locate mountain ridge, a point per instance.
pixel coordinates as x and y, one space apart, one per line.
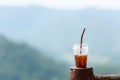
56 31
22 62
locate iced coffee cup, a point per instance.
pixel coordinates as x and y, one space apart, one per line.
81 57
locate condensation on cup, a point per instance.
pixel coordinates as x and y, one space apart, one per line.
80 59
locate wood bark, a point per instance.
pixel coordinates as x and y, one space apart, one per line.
87 74
108 77
81 73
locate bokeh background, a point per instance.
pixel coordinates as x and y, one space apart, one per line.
37 37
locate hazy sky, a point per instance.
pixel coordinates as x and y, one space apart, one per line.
64 4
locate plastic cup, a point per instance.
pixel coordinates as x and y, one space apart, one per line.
80 59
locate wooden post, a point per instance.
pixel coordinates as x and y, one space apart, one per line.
81 73
108 77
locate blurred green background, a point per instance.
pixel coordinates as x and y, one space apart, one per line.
37 37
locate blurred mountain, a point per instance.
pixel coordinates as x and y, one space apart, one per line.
56 31
21 62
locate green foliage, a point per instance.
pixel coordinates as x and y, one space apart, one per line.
21 62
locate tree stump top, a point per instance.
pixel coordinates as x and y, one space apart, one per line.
76 68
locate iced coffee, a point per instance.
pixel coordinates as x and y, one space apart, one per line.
81 58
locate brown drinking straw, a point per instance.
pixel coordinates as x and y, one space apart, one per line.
81 40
